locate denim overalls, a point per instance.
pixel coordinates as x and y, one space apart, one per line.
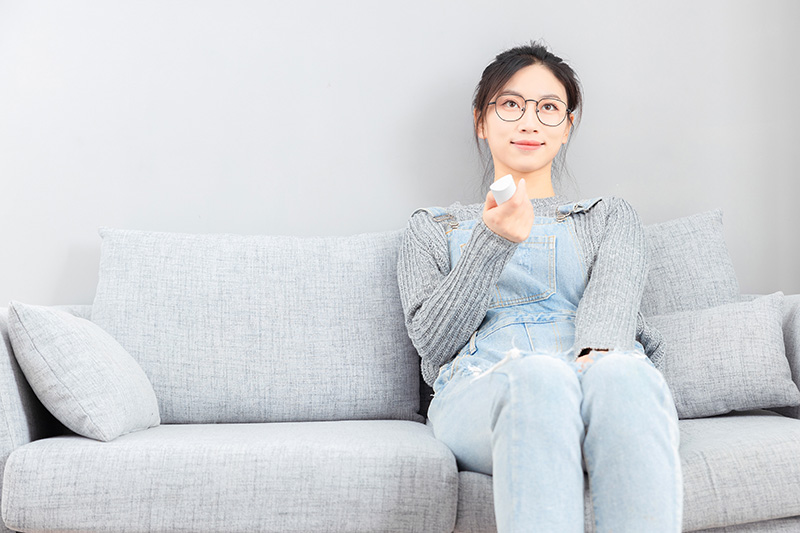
514 403
534 302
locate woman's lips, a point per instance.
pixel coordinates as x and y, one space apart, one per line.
527 145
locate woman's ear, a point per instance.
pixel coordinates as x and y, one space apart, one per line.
478 127
570 121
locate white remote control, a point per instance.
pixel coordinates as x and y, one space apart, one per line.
503 189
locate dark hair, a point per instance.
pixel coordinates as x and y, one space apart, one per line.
505 65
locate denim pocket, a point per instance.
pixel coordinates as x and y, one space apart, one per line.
448 370
530 274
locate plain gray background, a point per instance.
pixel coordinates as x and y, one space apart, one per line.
321 118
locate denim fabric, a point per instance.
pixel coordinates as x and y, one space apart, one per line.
515 404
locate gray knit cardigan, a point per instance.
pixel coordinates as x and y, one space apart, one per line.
443 306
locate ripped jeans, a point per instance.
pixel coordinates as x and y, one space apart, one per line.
537 421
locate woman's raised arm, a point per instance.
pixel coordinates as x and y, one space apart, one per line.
443 307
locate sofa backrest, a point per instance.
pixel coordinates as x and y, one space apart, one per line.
234 328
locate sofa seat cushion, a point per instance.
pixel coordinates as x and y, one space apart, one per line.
779 525
379 475
738 468
476 504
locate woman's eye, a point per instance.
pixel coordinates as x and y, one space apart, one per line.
549 106
510 104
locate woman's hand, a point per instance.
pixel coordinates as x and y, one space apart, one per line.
513 218
584 359
587 359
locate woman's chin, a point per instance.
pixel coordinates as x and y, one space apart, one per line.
523 170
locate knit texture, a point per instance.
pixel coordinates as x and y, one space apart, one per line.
443 306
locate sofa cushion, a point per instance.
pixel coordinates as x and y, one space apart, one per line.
729 357
476 504
740 467
237 328
80 373
376 475
689 265
737 468
791 340
778 525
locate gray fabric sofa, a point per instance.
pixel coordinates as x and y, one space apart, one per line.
291 400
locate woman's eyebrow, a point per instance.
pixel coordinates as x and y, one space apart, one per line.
509 91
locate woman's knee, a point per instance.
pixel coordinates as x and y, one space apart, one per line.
630 373
622 383
540 376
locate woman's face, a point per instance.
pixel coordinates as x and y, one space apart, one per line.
505 138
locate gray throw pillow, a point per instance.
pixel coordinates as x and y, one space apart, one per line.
726 358
791 339
689 265
80 373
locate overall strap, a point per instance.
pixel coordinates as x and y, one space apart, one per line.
578 207
439 214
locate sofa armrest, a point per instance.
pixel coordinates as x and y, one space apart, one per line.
791 339
23 418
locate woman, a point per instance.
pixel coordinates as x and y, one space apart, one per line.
525 315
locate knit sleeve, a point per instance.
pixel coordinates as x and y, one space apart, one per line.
607 314
444 306
652 340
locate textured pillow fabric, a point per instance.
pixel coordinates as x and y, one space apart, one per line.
246 328
726 358
791 339
80 373
690 267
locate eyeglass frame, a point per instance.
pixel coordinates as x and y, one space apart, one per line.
536 107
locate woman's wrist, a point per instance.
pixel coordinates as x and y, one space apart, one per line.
587 351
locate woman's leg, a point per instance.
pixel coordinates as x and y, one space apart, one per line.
521 423
631 445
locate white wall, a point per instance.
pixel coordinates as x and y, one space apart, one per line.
255 117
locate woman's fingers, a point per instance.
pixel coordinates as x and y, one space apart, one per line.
585 360
490 201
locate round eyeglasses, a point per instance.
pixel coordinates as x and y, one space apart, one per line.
549 111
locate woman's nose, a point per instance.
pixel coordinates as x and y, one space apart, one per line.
529 120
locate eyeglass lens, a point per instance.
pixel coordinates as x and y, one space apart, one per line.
551 112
